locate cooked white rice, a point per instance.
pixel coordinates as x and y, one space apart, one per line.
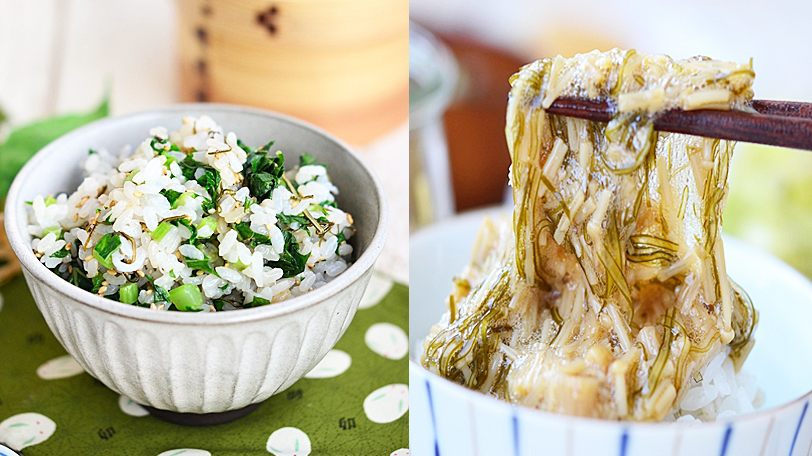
132 194
719 394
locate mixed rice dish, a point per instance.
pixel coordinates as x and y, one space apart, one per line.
195 220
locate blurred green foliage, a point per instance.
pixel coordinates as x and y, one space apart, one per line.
770 202
23 142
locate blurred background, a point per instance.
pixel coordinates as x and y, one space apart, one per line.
340 64
459 156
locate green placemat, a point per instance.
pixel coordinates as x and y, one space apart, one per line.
329 412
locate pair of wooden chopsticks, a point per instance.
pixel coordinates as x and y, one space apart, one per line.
777 123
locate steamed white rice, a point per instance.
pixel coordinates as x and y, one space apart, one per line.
719 393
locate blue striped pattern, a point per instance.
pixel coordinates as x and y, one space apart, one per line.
515 434
433 420
624 442
726 439
798 428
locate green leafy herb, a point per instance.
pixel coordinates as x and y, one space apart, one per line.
253 238
290 261
192 228
258 301
341 239
25 141
207 205
171 195
290 219
210 180
104 249
218 304
306 159
96 282
202 265
161 295
61 253
263 174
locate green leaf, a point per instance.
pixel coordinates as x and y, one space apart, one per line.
290 261
161 295
97 282
290 219
306 159
263 174
171 195
258 301
27 140
245 234
210 180
61 253
202 265
107 245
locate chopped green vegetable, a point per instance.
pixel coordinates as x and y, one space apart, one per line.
190 226
258 301
161 295
171 196
290 261
263 174
245 234
50 200
104 249
340 239
202 265
161 231
210 180
96 282
128 293
184 197
186 297
208 206
306 159
52 229
61 253
291 219
210 222
218 304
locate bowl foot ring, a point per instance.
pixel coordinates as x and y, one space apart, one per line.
201 419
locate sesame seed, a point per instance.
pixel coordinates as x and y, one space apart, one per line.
67 247
212 308
138 194
70 268
88 258
153 306
149 292
102 290
75 217
104 282
200 273
140 273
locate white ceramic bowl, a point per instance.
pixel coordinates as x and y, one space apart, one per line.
448 419
200 363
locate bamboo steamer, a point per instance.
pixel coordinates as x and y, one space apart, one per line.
340 64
